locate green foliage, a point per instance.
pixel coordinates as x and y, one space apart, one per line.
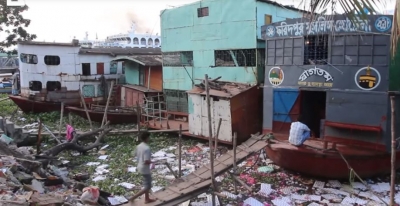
7 107
13 24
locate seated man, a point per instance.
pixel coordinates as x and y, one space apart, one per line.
299 132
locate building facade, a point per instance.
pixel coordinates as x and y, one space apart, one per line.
333 72
59 71
218 38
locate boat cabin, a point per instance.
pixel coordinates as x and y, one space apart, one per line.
62 72
333 72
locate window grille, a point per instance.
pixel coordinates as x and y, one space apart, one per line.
202 12
316 49
177 100
184 58
232 58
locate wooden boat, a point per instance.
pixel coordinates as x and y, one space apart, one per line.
115 114
32 106
322 159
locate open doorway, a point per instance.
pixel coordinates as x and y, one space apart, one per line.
312 108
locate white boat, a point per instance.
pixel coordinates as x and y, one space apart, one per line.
128 40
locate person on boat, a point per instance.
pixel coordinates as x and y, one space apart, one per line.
299 132
143 155
14 79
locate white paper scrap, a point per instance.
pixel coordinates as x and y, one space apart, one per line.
92 163
117 200
319 184
103 157
131 169
127 185
105 146
282 201
99 178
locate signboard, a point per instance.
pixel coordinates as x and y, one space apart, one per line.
328 24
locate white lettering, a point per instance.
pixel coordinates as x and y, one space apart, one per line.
316 71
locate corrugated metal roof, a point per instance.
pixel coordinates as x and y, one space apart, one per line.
47 43
121 51
227 89
145 60
140 88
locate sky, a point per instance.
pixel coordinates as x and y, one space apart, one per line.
62 20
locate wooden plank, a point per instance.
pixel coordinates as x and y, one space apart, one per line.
202 178
113 132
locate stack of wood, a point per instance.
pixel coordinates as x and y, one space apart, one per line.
212 83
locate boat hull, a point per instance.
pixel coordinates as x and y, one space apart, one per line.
114 118
32 106
330 164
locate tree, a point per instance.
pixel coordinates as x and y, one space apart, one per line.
361 7
13 24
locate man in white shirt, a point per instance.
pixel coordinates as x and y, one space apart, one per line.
14 79
299 132
143 155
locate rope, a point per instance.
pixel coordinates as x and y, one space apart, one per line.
353 174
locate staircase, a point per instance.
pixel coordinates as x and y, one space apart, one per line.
113 95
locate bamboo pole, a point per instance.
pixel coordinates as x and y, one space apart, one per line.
69 118
234 159
86 111
210 138
108 102
138 113
39 140
180 151
216 137
393 159
61 119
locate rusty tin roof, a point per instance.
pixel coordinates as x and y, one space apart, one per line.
226 89
145 60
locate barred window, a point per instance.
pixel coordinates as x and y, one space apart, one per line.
235 58
28 58
177 100
51 60
202 12
316 49
184 58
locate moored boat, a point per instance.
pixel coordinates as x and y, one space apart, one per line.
33 106
319 159
116 115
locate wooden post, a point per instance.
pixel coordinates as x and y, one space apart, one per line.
39 140
210 138
180 151
216 137
69 118
393 175
138 113
148 79
61 119
234 159
108 102
86 111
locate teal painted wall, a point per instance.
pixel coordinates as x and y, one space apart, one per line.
131 73
278 13
231 24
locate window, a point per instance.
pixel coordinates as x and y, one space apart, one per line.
184 58
51 60
123 67
143 41
100 68
135 41
235 58
287 51
268 19
157 42
141 75
113 67
202 12
86 69
35 85
316 49
28 58
53 86
177 100
150 42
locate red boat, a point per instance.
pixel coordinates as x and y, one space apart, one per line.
116 115
32 106
322 159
